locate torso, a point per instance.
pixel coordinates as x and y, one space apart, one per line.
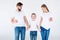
33 25
19 16
46 23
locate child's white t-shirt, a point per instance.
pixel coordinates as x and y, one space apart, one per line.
46 23
33 25
19 16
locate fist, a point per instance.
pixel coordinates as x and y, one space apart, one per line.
14 20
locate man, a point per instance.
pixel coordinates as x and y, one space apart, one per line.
20 20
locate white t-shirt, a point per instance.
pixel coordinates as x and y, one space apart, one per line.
46 23
19 16
33 25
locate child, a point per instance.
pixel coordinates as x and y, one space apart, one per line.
33 27
19 20
46 19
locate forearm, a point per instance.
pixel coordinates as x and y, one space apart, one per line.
26 21
40 23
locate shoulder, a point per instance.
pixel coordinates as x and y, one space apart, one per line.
23 13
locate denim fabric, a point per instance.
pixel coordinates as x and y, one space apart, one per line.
20 31
33 35
45 33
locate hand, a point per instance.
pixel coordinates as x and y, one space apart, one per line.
38 29
14 20
51 19
28 27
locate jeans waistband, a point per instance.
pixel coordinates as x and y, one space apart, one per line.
42 28
20 27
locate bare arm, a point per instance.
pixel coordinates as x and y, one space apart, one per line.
40 22
26 21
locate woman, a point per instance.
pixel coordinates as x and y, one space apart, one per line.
46 19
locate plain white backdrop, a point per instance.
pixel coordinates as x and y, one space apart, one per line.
7 8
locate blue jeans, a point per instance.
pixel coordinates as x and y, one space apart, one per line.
33 35
20 30
44 33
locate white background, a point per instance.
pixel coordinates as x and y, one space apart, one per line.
7 7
